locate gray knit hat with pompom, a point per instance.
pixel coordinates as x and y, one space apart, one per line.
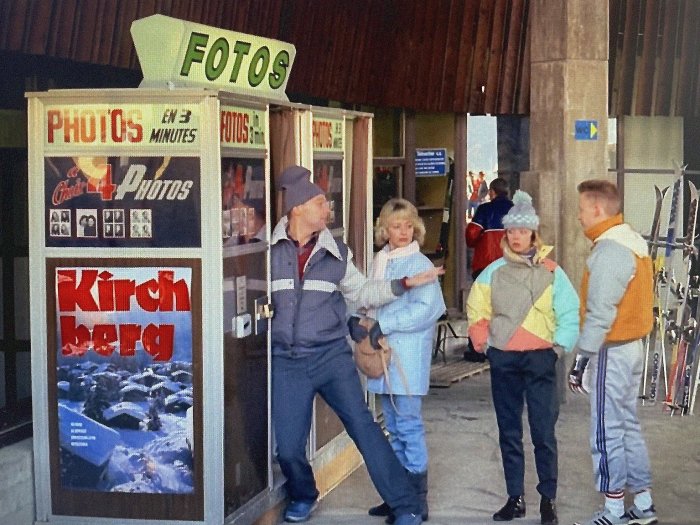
522 214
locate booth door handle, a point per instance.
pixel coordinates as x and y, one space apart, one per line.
265 311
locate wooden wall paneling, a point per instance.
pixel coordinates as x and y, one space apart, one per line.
511 53
108 25
122 37
452 45
301 35
145 8
334 70
342 81
438 52
381 44
629 57
415 86
688 61
523 93
37 27
5 10
614 10
405 43
88 28
495 57
466 55
61 32
480 63
645 73
667 57
16 25
180 9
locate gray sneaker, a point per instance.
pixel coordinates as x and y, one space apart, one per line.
638 516
605 517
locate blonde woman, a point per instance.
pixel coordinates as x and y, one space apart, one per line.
523 314
409 326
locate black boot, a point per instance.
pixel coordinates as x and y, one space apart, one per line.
548 511
380 510
419 481
514 508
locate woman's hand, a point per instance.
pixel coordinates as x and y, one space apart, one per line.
425 277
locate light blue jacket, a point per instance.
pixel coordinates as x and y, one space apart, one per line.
409 324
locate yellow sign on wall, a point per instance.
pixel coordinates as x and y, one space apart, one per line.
174 52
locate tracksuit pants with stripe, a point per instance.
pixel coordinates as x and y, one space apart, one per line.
620 457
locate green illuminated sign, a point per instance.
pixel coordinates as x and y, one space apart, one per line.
179 53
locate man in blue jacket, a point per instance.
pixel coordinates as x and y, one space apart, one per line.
312 276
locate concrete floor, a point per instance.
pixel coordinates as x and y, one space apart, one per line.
466 479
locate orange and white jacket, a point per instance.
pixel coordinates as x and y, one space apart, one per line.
616 288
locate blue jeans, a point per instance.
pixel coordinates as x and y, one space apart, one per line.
620 457
517 377
406 431
331 373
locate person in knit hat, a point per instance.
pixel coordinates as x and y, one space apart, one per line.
523 314
312 276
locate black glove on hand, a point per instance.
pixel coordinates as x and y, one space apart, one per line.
576 374
375 333
357 331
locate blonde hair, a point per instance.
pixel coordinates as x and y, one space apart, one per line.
603 193
398 209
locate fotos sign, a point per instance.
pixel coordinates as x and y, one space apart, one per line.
179 53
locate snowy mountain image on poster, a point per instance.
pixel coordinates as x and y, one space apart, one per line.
124 379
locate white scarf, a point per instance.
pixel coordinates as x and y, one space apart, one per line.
381 259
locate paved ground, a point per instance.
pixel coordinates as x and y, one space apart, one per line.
466 480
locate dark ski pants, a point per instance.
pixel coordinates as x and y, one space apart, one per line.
517 377
332 374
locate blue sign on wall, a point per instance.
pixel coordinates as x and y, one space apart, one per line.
586 130
430 162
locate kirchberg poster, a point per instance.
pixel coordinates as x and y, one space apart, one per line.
129 193
123 176
124 378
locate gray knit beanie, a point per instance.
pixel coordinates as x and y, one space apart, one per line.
297 187
522 214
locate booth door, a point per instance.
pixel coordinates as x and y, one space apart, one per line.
245 278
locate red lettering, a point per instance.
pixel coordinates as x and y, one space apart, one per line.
73 295
158 341
54 122
234 127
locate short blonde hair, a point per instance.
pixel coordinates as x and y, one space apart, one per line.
398 209
601 192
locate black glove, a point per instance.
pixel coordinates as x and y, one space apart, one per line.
375 333
576 374
357 331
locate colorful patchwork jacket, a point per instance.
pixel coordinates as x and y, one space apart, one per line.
521 304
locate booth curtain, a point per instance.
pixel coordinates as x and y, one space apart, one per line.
283 152
358 229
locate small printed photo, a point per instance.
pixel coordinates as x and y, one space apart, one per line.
119 216
55 229
55 216
65 215
108 216
146 230
119 230
87 222
145 215
65 229
135 230
109 230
